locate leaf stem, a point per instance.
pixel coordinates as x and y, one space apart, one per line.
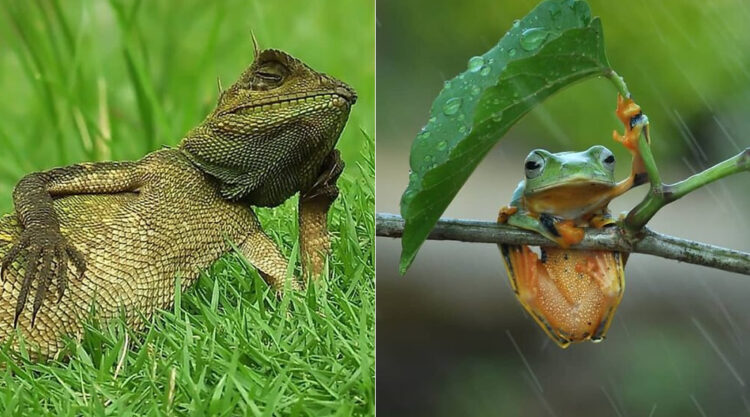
644 150
618 82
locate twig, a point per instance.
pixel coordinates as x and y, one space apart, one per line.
662 194
648 242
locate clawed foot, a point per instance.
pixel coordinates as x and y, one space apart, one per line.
42 247
325 186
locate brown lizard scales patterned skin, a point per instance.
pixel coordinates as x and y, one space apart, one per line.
114 235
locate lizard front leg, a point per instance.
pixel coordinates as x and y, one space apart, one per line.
315 242
263 253
41 241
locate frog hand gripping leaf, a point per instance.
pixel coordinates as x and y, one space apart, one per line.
572 294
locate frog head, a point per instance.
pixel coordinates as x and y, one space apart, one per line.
545 170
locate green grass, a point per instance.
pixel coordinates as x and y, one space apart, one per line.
92 80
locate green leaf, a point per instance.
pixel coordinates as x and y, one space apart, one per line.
555 45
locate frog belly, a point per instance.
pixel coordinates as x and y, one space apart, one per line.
572 294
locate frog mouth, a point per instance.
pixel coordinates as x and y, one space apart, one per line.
579 184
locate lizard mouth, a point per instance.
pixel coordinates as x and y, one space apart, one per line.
340 98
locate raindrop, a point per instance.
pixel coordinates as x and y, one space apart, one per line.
580 8
424 135
408 196
554 10
476 63
516 23
512 52
485 70
463 130
475 90
452 106
432 119
497 116
532 38
442 145
428 158
447 84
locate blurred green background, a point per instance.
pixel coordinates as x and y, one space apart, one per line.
92 80
452 338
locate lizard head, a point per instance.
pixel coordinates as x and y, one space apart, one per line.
277 81
271 130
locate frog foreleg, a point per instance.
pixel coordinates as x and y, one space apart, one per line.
544 225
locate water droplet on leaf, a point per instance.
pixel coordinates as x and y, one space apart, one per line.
475 90
512 52
581 9
452 106
442 145
408 196
554 10
475 63
485 70
532 38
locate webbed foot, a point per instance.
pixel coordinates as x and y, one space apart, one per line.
635 123
630 115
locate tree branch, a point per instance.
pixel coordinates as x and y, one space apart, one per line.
649 242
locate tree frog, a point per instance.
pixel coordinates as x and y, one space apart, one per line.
572 294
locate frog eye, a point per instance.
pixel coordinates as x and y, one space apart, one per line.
608 159
534 165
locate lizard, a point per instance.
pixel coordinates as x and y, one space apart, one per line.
110 237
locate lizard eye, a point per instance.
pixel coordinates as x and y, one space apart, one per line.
268 75
534 165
